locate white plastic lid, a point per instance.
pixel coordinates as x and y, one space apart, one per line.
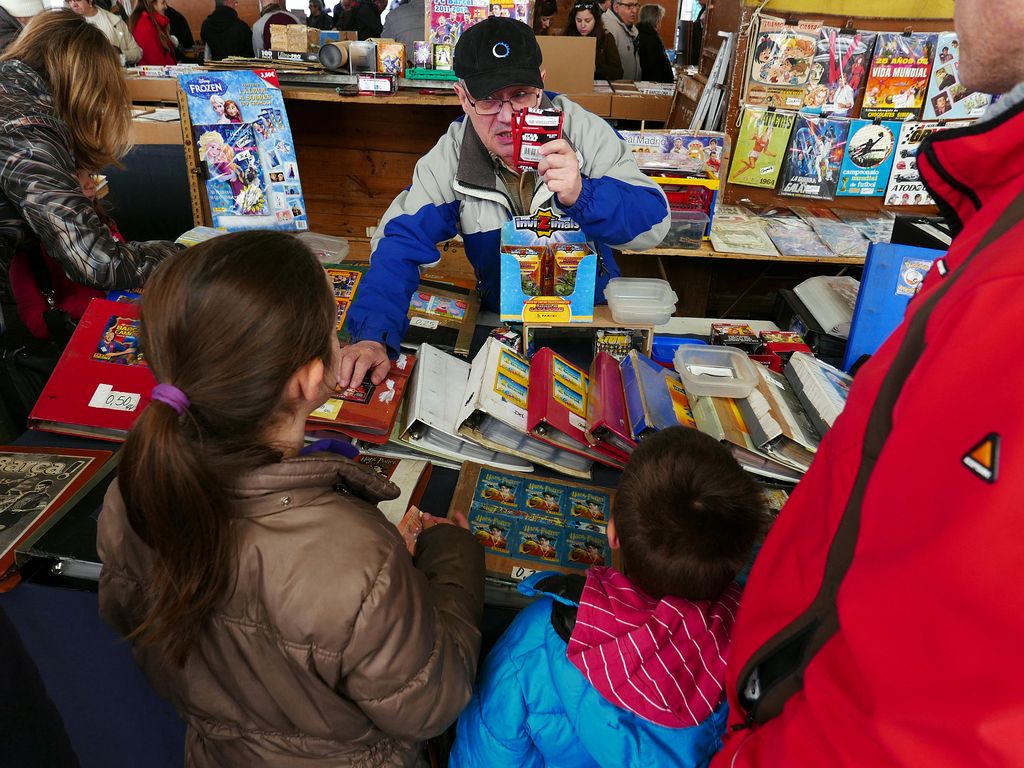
714 370
648 291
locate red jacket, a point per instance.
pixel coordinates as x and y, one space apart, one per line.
146 36
909 658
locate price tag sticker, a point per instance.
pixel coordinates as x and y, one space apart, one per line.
519 573
106 397
423 322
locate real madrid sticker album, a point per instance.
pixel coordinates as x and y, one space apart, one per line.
245 150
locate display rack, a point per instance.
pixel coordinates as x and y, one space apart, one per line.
892 16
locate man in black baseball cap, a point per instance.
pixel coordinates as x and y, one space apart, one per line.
498 53
468 185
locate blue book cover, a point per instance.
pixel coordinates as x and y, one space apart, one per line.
868 158
892 276
244 143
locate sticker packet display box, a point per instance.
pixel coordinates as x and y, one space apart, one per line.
532 129
527 524
548 270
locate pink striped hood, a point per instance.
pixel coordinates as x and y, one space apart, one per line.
663 660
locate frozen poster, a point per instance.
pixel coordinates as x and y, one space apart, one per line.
245 150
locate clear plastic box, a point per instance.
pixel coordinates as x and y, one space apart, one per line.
640 300
687 230
715 371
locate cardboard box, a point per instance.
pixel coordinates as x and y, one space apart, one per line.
598 103
151 132
540 334
640 107
279 38
153 89
563 63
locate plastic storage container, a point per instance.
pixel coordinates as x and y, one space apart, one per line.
663 349
640 300
687 230
716 371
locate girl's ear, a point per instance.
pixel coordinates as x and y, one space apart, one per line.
307 383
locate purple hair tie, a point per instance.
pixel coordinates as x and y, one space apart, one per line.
172 396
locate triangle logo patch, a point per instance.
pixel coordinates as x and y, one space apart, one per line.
983 458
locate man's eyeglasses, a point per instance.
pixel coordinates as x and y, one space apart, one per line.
521 100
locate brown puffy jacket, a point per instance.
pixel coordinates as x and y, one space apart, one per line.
334 648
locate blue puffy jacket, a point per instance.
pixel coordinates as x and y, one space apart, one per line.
456 190
534 708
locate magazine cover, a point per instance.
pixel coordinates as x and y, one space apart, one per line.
35 484
760 147
948 98
779 67
448 19
905 186
510 9
868 159
813 158
839 71
899 76
245 149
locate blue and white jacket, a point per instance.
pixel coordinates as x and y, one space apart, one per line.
456 189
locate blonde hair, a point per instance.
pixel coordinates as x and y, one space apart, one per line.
85 80
212 138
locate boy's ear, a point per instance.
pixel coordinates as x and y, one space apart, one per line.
613 535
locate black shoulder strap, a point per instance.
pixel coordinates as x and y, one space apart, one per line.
775 672
563 617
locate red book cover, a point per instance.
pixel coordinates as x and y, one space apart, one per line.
556 409
606 407
101 382
370 409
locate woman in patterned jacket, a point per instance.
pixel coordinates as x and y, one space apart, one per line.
64 105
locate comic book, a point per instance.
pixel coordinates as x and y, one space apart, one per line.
760 147
841 238
101 383
839 71
779 66
899 76
245 148
792 235
868 159
526 524
812 161
875 226
905 185
948 98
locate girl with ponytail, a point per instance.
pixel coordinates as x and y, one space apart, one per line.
263 592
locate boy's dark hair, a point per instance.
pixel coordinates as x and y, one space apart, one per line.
687 515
